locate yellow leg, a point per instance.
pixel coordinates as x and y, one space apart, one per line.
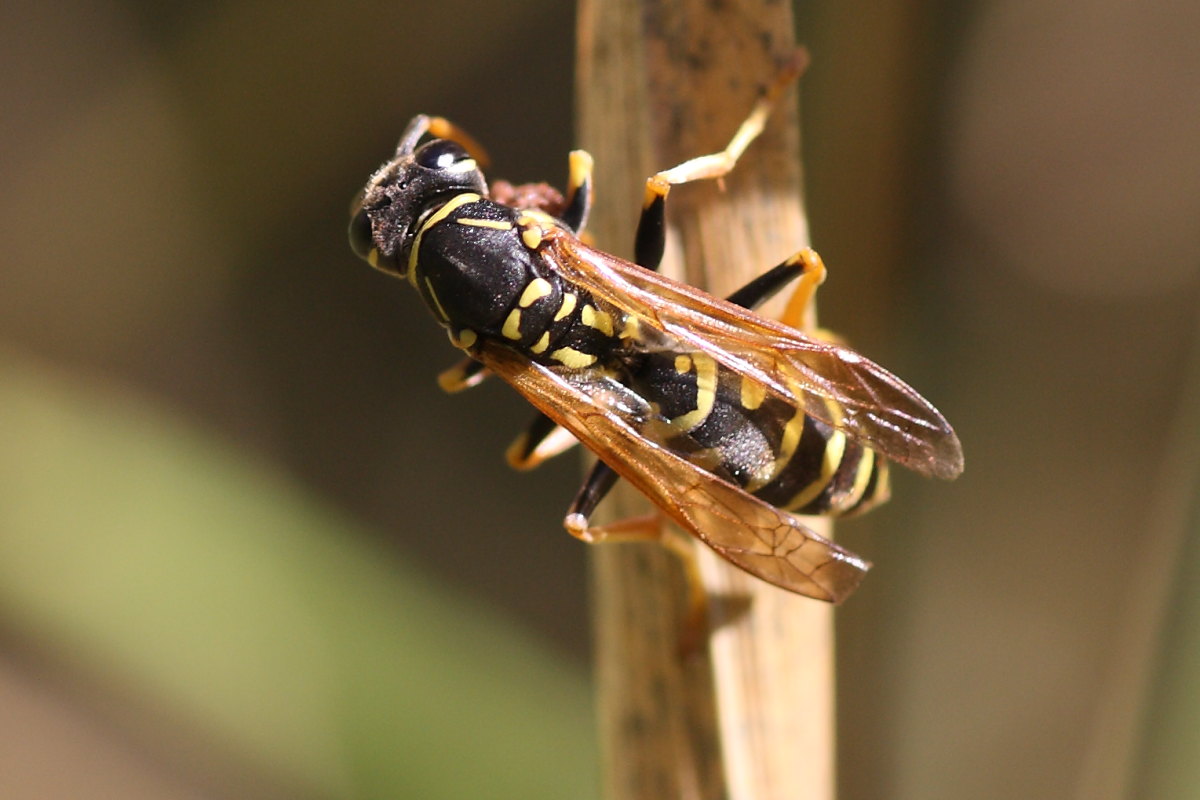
538 443
579 191
463 375
797 314
717 165
650 241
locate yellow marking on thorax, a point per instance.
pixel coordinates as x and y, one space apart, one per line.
535 216
437 304
568 305
631 328
512 325
541 344
462 339
495 224
531 229
575 359
683 363
753 394
532 237
600 320
536 290
438 216
706 392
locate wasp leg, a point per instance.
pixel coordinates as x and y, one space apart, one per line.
541 440
646 528
767 285
812 275
463 375
718 165
599 482
579 190
650 239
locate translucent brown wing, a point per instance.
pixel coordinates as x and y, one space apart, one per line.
829 382
609 420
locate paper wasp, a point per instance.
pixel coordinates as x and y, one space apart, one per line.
729 422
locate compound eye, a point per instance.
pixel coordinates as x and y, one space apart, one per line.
443 154
360 233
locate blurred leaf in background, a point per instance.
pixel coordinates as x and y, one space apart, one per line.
147 558
218 499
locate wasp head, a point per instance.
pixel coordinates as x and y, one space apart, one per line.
403 192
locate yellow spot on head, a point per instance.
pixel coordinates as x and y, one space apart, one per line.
512 325
536 290
575 359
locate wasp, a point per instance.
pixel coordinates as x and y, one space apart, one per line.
731 423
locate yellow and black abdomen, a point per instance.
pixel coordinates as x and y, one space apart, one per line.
760 443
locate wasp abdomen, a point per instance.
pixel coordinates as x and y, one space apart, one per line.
764 445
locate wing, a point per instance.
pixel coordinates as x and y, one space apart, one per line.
753 535
829 382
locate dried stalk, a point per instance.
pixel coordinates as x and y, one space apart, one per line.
660 81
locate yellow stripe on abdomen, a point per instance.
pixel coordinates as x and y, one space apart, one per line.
706 390
831 459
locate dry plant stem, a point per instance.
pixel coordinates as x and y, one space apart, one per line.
751 716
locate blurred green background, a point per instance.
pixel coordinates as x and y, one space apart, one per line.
248 550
